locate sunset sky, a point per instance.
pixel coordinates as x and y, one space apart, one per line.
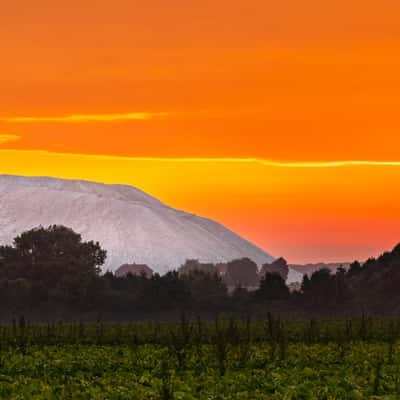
280 119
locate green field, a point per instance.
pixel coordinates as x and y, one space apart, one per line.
227 359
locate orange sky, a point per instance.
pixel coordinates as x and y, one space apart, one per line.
179 95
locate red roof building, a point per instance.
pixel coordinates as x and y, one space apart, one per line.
134 269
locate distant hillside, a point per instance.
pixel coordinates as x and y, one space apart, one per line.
131 225
309 269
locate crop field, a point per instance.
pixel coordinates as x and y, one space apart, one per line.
225 359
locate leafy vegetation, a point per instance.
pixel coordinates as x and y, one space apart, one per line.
224 359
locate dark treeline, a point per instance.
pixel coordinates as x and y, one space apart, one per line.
52 274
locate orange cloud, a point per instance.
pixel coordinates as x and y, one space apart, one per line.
78 118
5 138
217 160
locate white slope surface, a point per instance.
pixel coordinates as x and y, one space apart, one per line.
294 276
132 226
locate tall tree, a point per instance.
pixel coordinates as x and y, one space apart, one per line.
50 254
272 287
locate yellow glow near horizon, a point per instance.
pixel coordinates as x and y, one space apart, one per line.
77 118
280 209
217 160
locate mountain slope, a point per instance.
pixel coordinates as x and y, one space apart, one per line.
131 225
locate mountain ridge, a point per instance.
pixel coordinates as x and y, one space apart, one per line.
130 224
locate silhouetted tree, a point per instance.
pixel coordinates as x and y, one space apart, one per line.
206 289
341 289
272 287
49 254
305 284
278 266
369 263
320 289
355 267
52 269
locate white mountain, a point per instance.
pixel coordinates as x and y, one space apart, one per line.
294 276
131 225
